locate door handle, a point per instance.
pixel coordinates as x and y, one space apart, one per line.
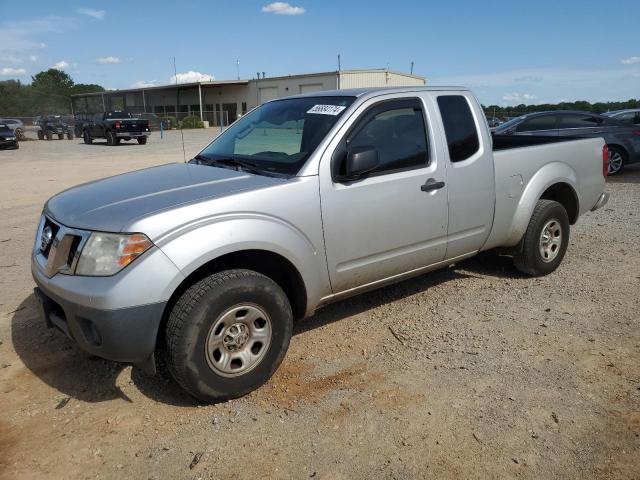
431 185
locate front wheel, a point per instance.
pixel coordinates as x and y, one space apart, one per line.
142 140
87 138
69 135
61 136
545 242
40 135
49 135
227 334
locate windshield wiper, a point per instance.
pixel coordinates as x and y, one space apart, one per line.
231 162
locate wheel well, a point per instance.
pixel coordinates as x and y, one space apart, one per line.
625 154
564 194
270 264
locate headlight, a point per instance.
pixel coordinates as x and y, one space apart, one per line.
11 138
107 253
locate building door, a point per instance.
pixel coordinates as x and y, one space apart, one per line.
311 87
268 93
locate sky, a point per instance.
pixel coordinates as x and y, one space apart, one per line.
507 52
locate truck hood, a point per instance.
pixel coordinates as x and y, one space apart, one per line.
112 203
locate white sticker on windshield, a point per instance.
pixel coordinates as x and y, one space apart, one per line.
326 109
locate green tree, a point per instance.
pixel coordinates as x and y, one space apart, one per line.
52 80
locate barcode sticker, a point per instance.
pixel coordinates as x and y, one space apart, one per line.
326 109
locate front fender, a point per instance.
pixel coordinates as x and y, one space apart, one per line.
194 245
551 174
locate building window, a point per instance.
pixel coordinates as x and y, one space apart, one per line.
244 108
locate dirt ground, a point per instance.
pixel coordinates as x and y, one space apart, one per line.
470 372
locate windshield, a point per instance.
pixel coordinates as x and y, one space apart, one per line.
509 124
278 136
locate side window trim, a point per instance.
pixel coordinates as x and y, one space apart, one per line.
364 118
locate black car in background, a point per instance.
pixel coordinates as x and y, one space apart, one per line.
623 140
154 121
8 137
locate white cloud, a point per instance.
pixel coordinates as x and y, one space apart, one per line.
516 97
108 60
630 61
191 77
12 72
10 59
98 14
61 65
282 8
33 58
145 84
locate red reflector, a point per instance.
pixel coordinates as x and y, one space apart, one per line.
117 124
605 160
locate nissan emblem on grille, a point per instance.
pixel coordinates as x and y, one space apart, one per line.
47 236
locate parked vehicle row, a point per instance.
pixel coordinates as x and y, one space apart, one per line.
204 265
622 139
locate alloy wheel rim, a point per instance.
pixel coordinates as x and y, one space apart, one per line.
615 162
550 240
238 340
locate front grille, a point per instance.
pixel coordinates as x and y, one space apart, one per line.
60 254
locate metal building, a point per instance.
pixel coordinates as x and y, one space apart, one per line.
220 102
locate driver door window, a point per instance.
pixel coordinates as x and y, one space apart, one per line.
398 134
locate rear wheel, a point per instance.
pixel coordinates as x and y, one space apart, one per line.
617 158
142 140
545 242
87 138
69 135
227 334
61 136
111 138
40 135
49 135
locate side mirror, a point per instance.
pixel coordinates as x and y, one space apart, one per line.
361 160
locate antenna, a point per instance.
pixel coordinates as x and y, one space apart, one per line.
339 63
238 68
175 75
411 67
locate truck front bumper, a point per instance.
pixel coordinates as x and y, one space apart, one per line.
123 335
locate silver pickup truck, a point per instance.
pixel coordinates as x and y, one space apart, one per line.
200 268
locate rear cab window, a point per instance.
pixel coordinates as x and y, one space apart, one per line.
459 127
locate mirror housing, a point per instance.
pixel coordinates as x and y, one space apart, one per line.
361 160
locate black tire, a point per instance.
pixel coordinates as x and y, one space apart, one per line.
87 138
111 138
194 316
142 140
528 258
622 155
40 135
61 136
69 135
17 146
49 135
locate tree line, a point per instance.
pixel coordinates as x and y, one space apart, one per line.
48 93
598 107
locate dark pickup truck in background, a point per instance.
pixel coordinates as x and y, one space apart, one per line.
115 126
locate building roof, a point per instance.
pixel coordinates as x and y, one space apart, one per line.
359 92
220 83
213 83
